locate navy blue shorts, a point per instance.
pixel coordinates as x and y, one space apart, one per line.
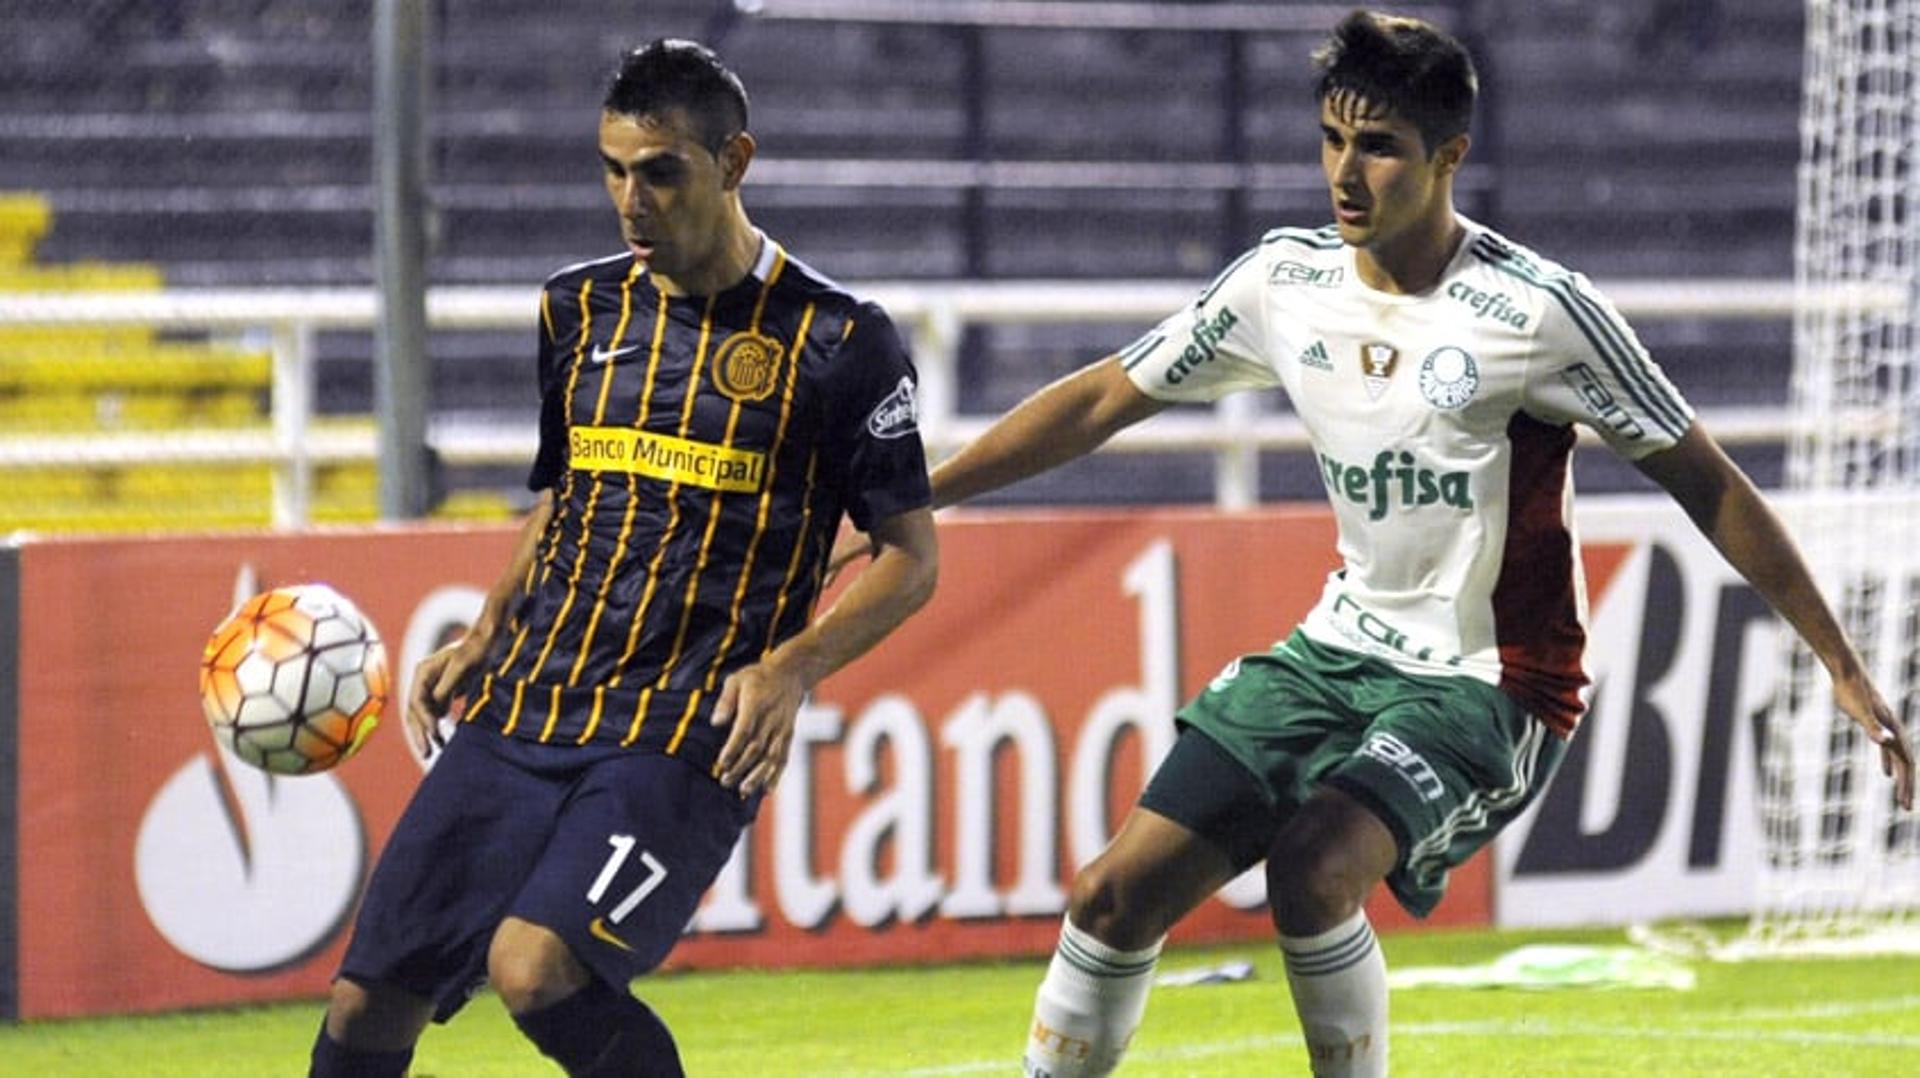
608 848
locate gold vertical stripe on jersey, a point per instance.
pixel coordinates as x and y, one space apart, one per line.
766 498
580 348
633 499
513 715
766 287
553 714
673 510
803 531
700 561
639 717
560 508
793 562
714 512
593 716
686 716
479 702
719 497
599 484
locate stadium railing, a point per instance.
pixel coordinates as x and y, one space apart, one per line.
1235 430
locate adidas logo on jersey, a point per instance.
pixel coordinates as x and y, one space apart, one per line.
1315 356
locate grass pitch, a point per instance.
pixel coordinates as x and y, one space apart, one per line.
1779 1018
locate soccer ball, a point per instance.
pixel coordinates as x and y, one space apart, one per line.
295 680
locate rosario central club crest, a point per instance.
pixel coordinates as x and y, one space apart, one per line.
1377 363
747 366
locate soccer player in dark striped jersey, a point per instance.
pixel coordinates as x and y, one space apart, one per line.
1440 370
710 408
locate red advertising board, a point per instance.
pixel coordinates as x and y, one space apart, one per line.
939 795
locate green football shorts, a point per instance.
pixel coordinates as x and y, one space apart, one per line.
1444 762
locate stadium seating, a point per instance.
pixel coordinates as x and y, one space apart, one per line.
77 381
250 124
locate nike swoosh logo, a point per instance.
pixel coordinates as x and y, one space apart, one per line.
601 355
598 929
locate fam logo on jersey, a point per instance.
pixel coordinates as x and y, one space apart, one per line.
747 365
1448 377
1291 272
1373 633
898 415
1599 401
1377 363
1412 767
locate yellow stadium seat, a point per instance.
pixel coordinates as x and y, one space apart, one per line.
29 338
476 505
83 379
24 218
81 277
65 411
159 366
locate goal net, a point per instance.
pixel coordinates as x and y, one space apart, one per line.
1839 866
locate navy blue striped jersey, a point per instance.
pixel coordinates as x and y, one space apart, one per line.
702 450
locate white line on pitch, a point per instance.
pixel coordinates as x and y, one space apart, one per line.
1815 1010
1530 1029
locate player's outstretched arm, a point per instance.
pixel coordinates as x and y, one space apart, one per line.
760 701
444 674
1061 422
1723 503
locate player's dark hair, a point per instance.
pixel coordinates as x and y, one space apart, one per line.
1375 63
669 74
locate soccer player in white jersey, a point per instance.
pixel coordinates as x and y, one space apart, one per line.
1440 370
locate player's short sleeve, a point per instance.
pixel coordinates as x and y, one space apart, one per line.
873 421
550 459
1212 346
1593 370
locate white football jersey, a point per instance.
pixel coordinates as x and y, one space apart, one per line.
1442 427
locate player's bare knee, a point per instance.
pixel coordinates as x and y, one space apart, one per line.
532 970
1090 899
523 982
347 999
1312 884
374 1016
1101 904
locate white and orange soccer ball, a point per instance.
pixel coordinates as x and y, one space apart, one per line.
295 680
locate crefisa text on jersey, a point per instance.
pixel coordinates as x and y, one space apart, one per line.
1495 305
1207 335
1395 472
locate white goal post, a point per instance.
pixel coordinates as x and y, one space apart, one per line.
1840 865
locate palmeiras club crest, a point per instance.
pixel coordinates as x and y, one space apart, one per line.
1449 377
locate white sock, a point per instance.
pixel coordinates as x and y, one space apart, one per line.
1339 981
1088 1006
